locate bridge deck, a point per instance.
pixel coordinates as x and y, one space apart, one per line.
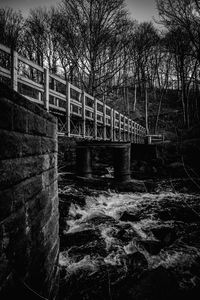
79 114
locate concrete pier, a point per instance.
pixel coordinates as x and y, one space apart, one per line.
121 158
83 161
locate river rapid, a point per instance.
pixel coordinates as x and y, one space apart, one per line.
129 245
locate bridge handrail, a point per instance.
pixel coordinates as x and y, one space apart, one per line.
155 138
49 90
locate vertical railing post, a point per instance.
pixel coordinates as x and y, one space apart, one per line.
129 138
95 118
104 122
14 69
136 133
114 122
138 130
120 133
111 124
132 131
139 134
124 137
83 115
68 110
46 89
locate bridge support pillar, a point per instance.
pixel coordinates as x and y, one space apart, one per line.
83 161
122 158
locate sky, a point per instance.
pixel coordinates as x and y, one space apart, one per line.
141 10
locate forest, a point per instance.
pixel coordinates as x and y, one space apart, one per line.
140 67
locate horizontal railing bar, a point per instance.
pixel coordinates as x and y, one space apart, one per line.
57 107
34 100
5 72
57 94
76 103
31 83
75 88
5 49
89 96
56 77
88 108
30 63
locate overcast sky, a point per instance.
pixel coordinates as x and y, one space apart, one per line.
141 10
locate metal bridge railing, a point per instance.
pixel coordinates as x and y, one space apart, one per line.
79 114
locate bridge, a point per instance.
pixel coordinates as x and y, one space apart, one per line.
79 114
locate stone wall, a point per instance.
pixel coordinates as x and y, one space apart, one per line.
29 242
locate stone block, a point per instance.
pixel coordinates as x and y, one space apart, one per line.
5 269
20 119
6 114
14 224
6 200
39 215
52 257
15 144
51 129
50 231
36 125
15 170
43 199
27 190
10 145
49 177
31 145
20 100
53 189
48 145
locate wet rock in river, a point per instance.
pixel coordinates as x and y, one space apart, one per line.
157 284
97 218
165 234
87 280
94 249
131 186
125 235
151 246
136 263
192 238
130 216
79 237
178 213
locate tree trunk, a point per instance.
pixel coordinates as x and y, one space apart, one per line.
146 109
135 98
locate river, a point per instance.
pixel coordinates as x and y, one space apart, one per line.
129 245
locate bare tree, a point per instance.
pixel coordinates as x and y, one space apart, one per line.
181 18
183 14
40 39
11 24
96 34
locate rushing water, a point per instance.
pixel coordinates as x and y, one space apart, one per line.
163 229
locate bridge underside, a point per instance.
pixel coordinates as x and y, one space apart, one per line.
121 152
